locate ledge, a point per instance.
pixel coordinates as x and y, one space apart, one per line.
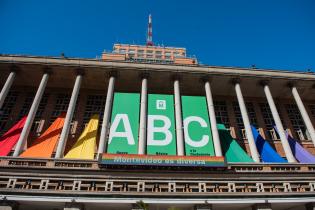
68 164
211 70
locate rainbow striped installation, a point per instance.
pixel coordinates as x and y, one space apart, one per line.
44 146
11 137
156 160
85 146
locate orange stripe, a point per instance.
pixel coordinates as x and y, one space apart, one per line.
44 145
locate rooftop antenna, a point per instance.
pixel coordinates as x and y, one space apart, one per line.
149 35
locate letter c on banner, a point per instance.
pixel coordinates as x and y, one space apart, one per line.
204 140
164 129
126 134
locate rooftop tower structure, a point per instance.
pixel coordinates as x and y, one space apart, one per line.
149 35
149 53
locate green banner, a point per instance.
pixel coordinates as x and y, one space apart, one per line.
197 130
123 134
161 138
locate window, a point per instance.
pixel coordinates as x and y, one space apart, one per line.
269 121
95 104
312 109
167 53
42 106
122 50
238 115
221 113
149 54
267 115
297 121
26 105
251 113
61 105
116 50
131 52
38 123
6 110
140 53
176 54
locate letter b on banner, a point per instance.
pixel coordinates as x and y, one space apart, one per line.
161 139
165 129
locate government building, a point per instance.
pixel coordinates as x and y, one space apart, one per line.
148 127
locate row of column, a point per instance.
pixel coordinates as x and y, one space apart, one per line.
143 115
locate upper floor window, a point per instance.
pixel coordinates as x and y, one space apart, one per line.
312 109
269 121
122 50
177 54
61 105
297 121
131 51
167 53
94 105
221 113
26 105
238 116
6 109
250 111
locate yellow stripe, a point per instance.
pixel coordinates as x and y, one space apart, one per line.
85 146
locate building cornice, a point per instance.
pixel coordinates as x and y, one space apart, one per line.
209 70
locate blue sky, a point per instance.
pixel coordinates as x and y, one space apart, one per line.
276 34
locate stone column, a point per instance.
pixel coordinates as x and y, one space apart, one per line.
7 85
262 206
276 117
107 113
31 114
303 112
213 121
178 119
247 126
65 130
143 115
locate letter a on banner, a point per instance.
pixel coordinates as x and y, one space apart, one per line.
197 130
161 139
123 134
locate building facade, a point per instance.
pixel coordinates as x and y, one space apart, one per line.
265 133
